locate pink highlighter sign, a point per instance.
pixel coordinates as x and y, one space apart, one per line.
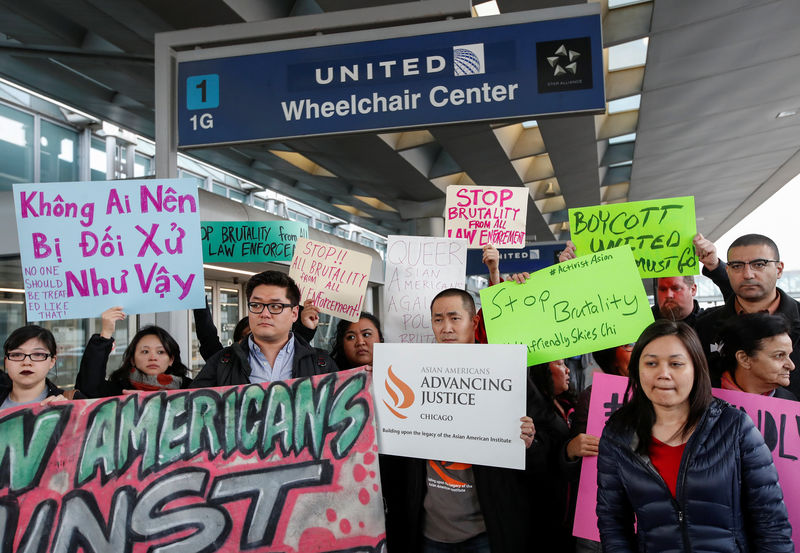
487 215
87 246
777 419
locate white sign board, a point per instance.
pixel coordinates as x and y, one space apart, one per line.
455 402
418 268
487 215
335 278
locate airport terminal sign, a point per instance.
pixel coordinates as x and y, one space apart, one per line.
487 69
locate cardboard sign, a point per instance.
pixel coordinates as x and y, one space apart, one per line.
659 232
487 215
418 268
335 278
455 402
585 304
249 242
289 466
87 246
775 418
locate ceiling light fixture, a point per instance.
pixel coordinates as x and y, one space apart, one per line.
787 113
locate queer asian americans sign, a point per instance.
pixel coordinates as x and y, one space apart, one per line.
86 246
659 232
487 215
418 268
286 467
455 402
585 304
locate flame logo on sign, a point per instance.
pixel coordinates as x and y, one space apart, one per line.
402 401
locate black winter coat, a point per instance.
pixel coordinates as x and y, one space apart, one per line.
52 389
728 496
231 366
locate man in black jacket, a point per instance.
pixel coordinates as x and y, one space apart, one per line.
753 268
271 352
444 506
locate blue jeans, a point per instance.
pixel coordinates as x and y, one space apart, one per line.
478 544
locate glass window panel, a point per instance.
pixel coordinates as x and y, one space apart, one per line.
97 159
58 153
237 196
16 146
142 166
229 314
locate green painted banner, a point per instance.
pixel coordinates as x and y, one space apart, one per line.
659 232
586 304
244 242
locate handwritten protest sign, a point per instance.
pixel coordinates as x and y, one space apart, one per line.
456 402
335 278
775 418
487 215
289 466
418 268
659 232
585 304
247 242
86 246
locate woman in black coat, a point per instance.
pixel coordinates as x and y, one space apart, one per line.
693 470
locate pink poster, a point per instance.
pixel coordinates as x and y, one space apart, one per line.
288 466
777 419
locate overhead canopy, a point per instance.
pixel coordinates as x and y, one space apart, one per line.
717 75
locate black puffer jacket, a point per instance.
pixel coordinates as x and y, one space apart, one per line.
728 497
231 366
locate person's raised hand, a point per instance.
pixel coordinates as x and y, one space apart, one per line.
567 253
706 252
583 445
110 317
527 431
309 317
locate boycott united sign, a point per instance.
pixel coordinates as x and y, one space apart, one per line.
659 232
290 467
454 402
487 215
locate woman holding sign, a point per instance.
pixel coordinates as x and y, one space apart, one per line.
152 361
692 469
755 352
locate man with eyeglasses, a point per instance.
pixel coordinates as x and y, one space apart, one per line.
753 268
272 351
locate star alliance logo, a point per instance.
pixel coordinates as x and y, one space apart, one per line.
468 60
564 65
567 58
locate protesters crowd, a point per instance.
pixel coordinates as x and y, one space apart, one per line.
678 470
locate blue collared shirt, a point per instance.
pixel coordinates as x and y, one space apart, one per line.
262 371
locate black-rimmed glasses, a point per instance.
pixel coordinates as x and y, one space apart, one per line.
755 264
36 356
274 308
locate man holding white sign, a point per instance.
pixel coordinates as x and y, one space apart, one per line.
445 506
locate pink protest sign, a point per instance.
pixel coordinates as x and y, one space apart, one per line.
487 215
777 419
290 467
335 278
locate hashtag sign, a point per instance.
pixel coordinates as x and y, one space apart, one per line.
612 405
552 272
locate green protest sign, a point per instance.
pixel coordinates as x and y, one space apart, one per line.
589 303
244 242
659 232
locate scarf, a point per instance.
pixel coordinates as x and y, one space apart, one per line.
153 382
